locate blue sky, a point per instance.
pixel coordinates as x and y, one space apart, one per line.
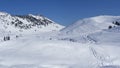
64 12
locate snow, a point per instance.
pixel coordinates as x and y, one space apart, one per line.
6 26
3 13
86 44
33 51
91 25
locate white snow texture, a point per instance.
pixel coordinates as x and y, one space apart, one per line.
89 43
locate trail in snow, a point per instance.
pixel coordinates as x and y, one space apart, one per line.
99 53
44 50
104 59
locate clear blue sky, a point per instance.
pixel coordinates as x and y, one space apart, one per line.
64 12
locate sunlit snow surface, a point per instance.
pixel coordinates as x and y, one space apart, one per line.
40 51
72 47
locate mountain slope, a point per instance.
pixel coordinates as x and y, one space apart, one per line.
86 30
91 25
27 23
60 50
111 36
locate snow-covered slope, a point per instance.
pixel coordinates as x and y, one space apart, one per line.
17 25
111 36
26 23
86 30
91 25
52 49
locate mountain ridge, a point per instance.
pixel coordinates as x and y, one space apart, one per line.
27 22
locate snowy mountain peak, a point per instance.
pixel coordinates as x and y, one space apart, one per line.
27 23
3 14
37 16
